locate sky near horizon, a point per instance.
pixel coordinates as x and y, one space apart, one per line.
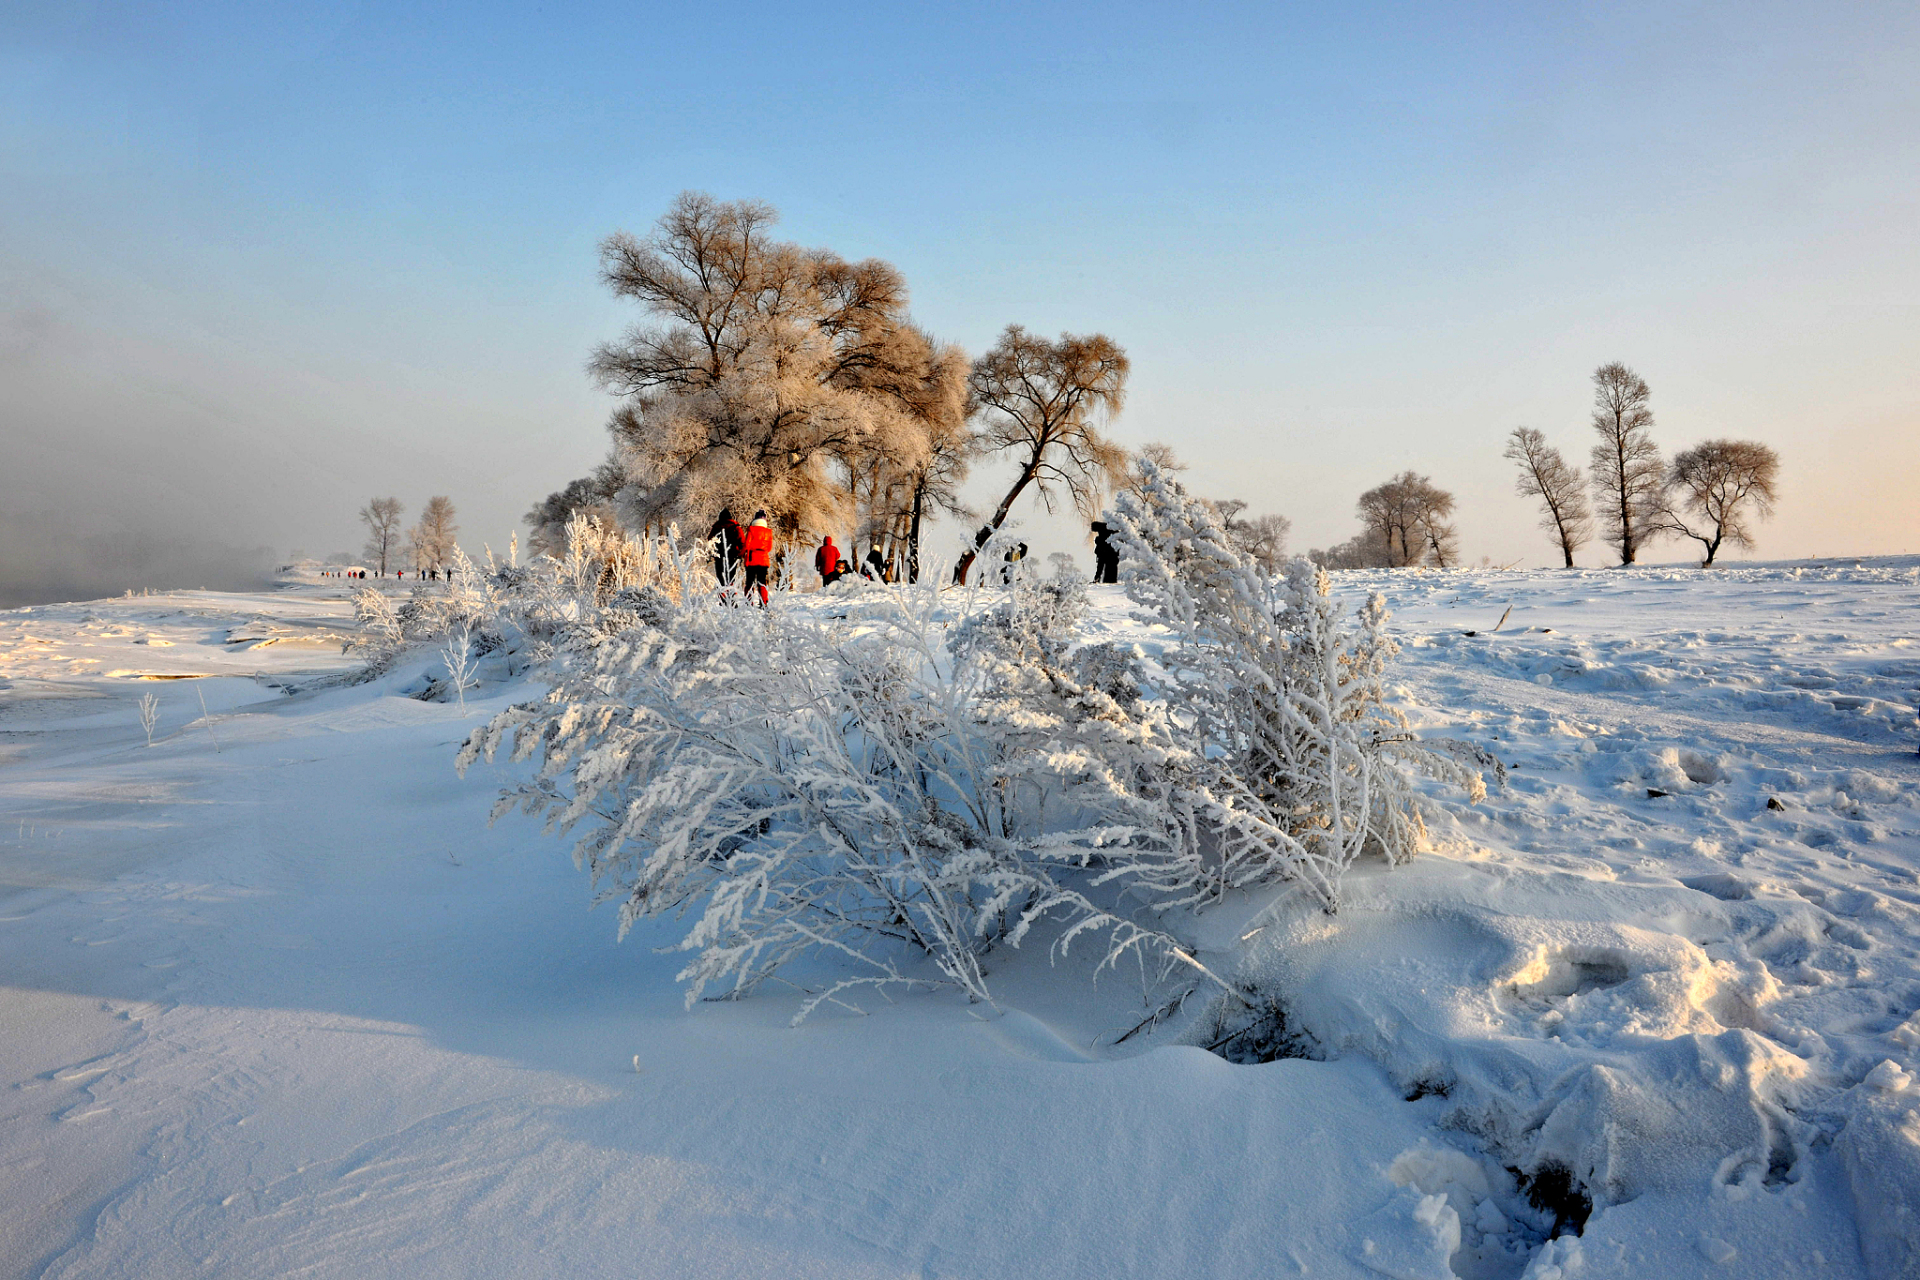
259 262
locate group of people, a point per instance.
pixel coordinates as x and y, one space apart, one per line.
734 549
832 566
423 574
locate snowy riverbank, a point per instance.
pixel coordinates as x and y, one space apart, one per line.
277 999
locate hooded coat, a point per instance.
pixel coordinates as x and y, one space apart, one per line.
759 544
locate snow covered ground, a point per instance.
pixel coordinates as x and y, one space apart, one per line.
274 999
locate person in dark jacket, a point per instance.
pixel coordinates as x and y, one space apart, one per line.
724 544
1106 556
875 565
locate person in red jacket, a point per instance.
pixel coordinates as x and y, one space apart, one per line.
759 554
827 561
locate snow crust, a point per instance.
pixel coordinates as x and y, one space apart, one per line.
275 999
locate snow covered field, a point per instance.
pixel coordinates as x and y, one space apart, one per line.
275 1000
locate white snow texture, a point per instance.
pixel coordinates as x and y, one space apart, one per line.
276 999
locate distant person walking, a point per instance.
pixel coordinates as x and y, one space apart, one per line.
758 547
875 566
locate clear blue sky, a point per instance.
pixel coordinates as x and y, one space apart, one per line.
260 262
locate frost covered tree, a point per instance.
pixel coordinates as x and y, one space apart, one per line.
382 518
913 464
433 537
1721 483
1629 477
1042 402
936 470
765 374
1406 522
1544 474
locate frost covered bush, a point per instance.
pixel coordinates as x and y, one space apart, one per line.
602 560
910 783
603 583
427 614
381 635
1298 763
798 785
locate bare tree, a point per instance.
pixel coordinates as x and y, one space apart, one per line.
1720 482
1439 540
1262 539
1364 550
591 495
1406 522
1629 476
382 518
1545 475
1382 511
1039 401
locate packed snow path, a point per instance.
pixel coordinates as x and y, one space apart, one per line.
277 1000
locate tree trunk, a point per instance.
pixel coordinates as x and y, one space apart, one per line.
1000 516
913 533
1620 492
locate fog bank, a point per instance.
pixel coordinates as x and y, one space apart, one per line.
48 561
